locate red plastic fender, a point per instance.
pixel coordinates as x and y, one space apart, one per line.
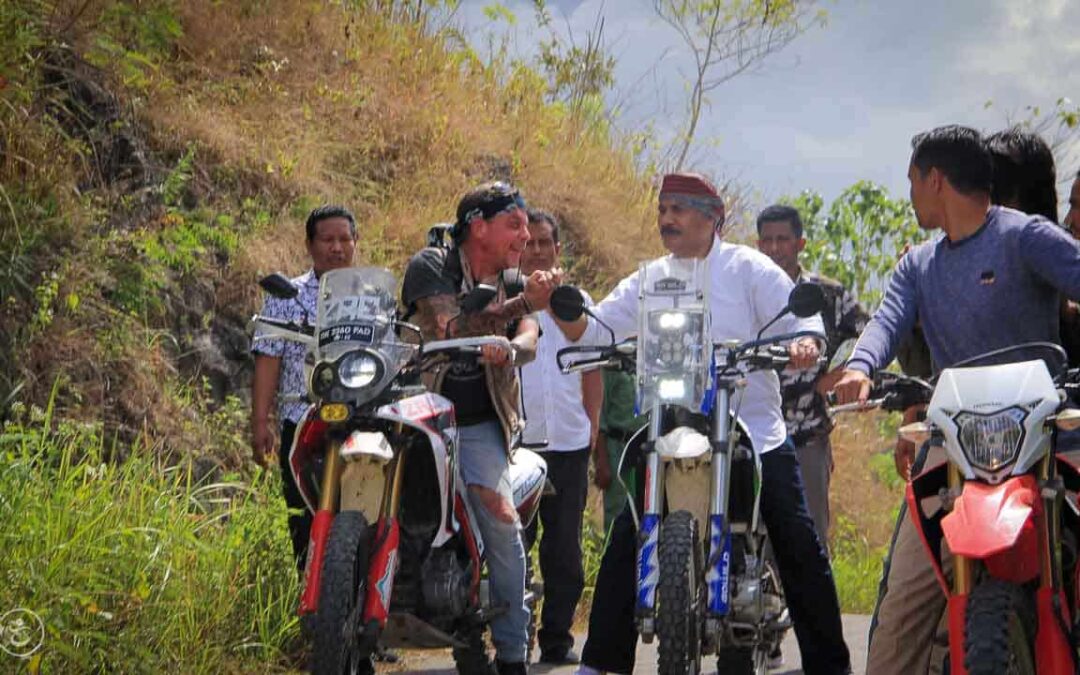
996 524
382 568
320 532
1053 656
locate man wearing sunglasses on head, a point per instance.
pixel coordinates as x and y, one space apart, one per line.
489 237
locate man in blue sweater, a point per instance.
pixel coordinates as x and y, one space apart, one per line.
994 279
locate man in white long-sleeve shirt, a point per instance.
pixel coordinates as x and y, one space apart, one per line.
562 418
747 290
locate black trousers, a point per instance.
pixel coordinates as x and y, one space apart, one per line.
804 573
560 547
299 516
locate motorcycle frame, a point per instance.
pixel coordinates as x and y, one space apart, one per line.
1017 554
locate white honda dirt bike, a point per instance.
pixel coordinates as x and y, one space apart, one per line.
705 583
395 555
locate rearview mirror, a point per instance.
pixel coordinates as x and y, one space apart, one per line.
567 303
478 298
279 286
806 300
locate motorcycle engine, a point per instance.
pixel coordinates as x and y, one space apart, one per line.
445 584
748 601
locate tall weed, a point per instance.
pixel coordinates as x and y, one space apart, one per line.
135 566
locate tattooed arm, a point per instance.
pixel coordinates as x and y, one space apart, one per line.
438 317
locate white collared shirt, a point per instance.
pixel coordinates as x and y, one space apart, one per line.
747 290
551 401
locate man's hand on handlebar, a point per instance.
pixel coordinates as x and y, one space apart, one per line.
497 355
853 387
804 353
538 288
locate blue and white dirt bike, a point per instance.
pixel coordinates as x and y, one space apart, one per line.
705 580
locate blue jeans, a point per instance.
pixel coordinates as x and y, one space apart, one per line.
483 461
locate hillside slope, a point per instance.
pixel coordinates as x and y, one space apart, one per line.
159 156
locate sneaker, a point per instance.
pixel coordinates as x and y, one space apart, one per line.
775 659
565 657
384 655
504 668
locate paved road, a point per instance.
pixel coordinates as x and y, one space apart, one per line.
440 662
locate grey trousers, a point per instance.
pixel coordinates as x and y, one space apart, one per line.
909 634
815 460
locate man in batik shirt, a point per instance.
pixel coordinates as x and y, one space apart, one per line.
780 236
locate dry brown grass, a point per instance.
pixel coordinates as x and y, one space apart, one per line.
860 492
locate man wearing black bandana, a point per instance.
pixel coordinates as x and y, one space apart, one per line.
488 238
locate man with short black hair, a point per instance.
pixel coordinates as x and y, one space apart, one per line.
489 237
279 365
993 280
561 420
780 236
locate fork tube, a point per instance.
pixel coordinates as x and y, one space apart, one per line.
393 496
719 550
1050 534
961 564
331 478
648 562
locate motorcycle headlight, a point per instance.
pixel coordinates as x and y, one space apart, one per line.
668 331
991 441
359 370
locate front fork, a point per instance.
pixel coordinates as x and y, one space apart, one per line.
718 565
320 528
718 562
648 563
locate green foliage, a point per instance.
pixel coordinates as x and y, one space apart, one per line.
858 240
856 567
139 567
135 38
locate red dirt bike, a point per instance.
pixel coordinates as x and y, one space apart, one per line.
1004 502
395 555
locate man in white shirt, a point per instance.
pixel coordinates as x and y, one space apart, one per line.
561 422
747 290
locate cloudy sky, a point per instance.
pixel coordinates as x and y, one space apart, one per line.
841 102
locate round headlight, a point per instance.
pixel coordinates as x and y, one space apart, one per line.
358 370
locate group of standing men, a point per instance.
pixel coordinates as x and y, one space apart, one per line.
520 395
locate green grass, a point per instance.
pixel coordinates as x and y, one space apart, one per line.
856 567
138 567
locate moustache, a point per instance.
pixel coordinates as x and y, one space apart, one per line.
669 229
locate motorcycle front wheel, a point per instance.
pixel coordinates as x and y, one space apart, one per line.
678 617
344 573
1000 630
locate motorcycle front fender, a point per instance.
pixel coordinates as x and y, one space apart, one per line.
997 524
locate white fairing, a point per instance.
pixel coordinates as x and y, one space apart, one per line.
985 390
528 474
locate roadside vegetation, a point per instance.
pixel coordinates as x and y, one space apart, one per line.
156 157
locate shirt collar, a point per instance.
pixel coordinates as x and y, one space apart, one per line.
308 278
